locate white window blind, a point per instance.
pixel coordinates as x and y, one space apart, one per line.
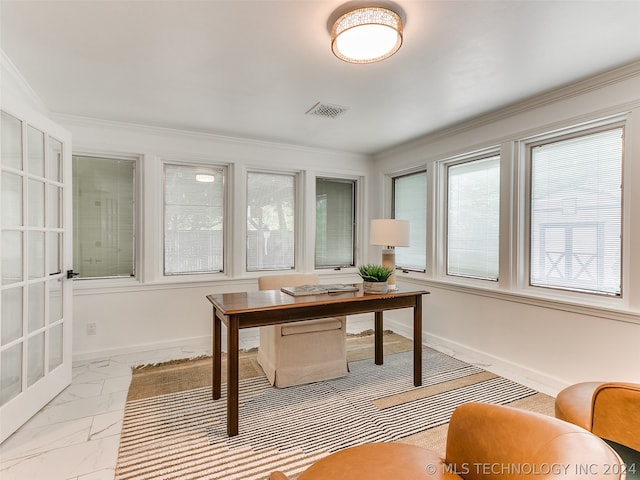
576 213
410 203
473 218
270 221
335 222
103 217
193 219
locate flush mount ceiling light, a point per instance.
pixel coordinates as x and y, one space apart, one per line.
366 34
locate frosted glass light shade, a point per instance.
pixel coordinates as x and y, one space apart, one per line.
366 35
389 232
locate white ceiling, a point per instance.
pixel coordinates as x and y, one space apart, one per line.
253 68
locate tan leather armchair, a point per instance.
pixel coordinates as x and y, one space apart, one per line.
484 441
611 410
543 446
301 352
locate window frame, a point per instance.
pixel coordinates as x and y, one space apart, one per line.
428 198
355 223
173 277
137 186
445 165
525 258
298 220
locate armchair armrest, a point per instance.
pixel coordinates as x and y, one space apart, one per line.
278 476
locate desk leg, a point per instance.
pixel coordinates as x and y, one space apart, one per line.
232 376
417 342
217 357
378 332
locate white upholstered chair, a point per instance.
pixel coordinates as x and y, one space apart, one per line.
301 352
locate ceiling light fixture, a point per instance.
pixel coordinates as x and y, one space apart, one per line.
366 35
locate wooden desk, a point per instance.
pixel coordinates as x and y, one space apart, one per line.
272 307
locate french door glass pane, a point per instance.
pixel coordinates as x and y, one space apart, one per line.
11 257
35 151
55 346
194 219
35 297
410 203
11 141
335 223
35 205
10 373
473 218
54 256
36 254
55 300
11 315
576 213
54 207
11 199
270 221
35 362
55 160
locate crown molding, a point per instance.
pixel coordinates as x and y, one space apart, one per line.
9 68
574 89
69 119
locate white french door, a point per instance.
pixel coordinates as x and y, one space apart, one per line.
36 246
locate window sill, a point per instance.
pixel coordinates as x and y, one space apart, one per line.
556 302
127 285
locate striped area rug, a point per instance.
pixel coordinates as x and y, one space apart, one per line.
182 434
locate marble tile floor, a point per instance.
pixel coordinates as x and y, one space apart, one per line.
76 436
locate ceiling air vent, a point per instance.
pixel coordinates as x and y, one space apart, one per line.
326 110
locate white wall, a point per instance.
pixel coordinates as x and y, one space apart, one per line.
154 311
547 336
552 341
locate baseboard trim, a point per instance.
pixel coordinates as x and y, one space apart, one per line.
141 348
513 371
518 373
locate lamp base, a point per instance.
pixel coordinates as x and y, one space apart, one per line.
389 261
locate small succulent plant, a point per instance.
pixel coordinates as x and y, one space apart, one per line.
374 273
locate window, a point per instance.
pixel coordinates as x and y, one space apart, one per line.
335 222
271 210
410 203
576 212
103 216
193 219
473 218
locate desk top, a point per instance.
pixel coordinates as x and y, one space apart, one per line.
263 300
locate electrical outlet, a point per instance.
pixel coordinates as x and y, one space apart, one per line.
91 328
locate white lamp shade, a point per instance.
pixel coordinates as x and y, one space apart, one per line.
389 232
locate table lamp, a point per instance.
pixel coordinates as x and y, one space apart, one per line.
389 233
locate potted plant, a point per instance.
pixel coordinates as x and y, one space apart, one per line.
374 278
